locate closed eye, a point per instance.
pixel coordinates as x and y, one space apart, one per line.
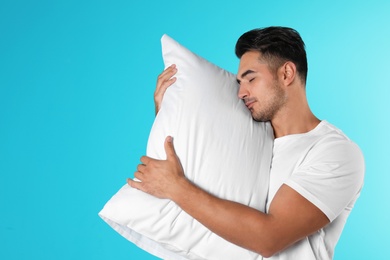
251 79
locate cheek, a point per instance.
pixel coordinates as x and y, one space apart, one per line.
260 91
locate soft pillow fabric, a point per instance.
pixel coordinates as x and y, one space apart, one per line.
222 150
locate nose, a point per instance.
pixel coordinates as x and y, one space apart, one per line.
242 91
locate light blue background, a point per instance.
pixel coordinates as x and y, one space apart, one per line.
76 105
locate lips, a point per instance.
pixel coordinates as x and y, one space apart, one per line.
249 103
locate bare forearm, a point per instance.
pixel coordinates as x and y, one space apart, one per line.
291 216
237 223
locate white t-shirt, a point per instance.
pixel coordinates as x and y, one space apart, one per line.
326 168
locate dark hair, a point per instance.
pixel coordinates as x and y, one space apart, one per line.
277 45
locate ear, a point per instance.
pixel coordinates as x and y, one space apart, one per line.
289 73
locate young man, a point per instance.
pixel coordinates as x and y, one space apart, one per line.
316 174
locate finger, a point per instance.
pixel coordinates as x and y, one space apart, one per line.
141 168
161 88
135 184
139 175
146 160
168 70
164 82
166 75
169 148
170 67
160 91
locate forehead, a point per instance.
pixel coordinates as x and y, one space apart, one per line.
251 61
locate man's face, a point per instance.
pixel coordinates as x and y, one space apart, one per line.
259 87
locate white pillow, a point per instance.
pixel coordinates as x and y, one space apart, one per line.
222 150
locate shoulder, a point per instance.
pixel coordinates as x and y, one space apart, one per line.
335 155
332 142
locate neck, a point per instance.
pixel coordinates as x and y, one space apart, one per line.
295 117
287 126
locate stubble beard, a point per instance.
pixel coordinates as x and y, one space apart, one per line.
268 111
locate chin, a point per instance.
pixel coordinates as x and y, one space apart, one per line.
257 119
260 118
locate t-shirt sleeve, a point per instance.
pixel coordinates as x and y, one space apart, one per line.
331 176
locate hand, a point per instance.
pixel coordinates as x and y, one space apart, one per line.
160 178
164 80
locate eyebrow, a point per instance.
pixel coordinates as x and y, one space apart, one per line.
244 75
